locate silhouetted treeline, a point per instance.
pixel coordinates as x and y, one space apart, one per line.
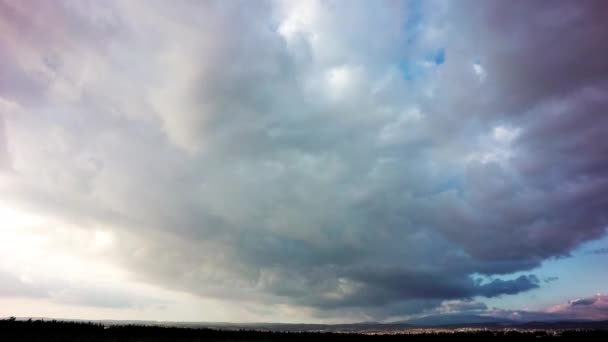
39 330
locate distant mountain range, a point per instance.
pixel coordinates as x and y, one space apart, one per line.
455 319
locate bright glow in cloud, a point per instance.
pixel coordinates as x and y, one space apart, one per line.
479 71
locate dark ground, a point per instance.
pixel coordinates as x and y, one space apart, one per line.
39 330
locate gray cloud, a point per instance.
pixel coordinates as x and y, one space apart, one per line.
499 287
100 297
598 251
12 286
550 279
583 301
62 292
259 156
462 307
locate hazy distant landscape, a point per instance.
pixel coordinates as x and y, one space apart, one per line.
53 330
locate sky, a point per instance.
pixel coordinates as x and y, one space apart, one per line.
303 161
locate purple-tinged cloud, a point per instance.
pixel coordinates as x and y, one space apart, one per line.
584 301
4 155
586 308
591 308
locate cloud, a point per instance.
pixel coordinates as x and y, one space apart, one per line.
550 279
12 286
4 156
282 155
583 301
599 251
64 292
593 307
460 306
100 297
587 308
499 287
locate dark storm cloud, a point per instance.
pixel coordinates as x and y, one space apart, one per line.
381 287
530 205
499 287
272 157
533 52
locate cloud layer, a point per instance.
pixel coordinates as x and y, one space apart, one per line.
586 308
340 157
